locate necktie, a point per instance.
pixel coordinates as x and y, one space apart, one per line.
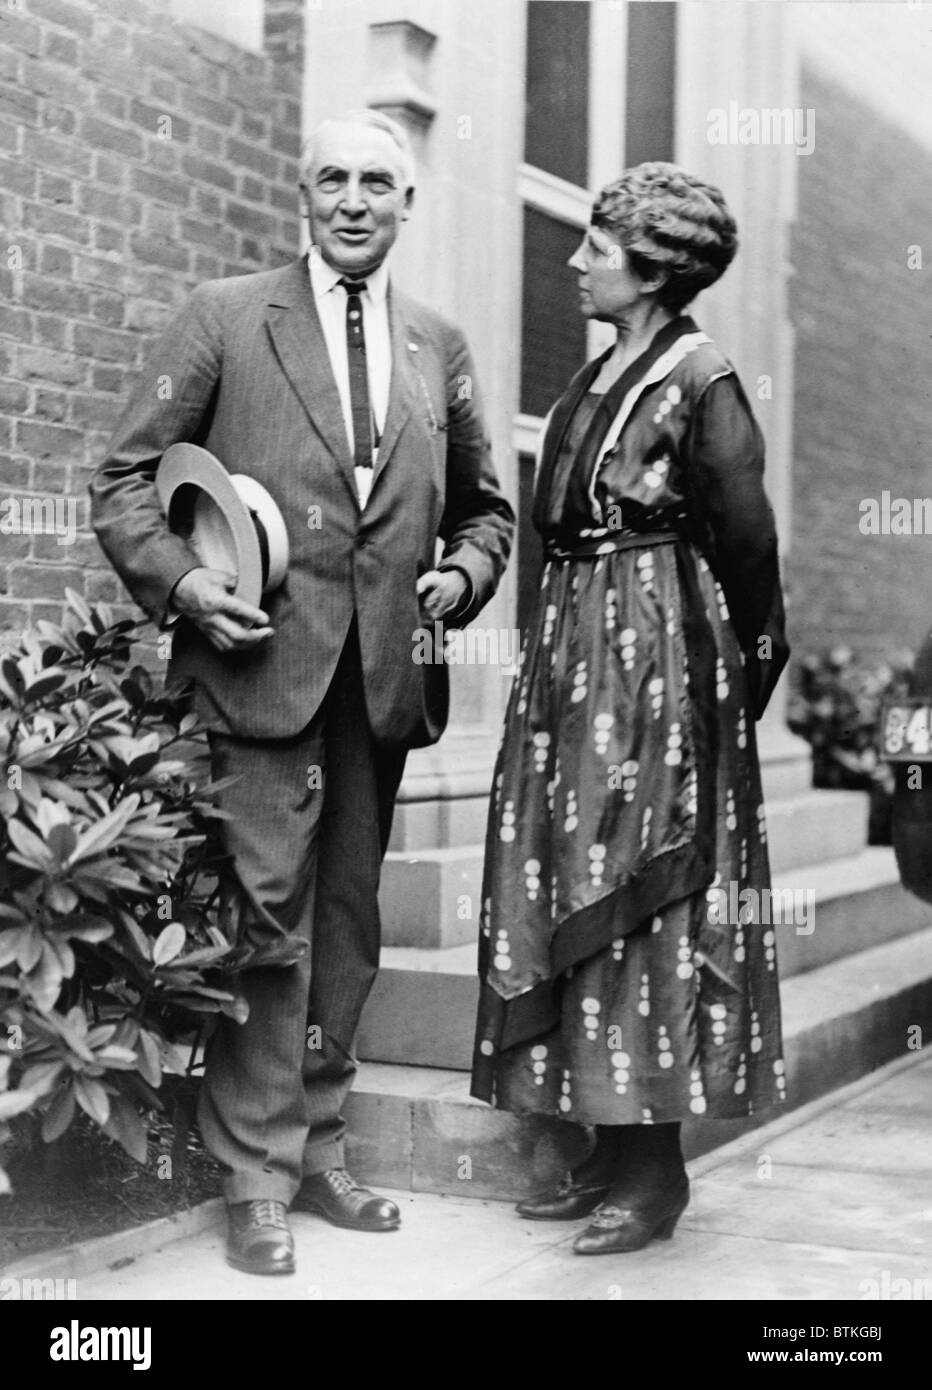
360 408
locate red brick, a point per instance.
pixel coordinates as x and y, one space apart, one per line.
260 161
17 177
55 260
15 472
45 364
64 15
55 221
17 105
152 119
111 104
109 170
164 88
286 141
34 581
247 219
15 323
55 188
208 141
60 47
94 410
218 238
254 127
110 206
50 330
107 308
220 113
42 440
101 586
207 268
83 550
108 378
50 405
167 190
21 33
58 119
50 152
104 135
205 171
107 344
9 137
95 270
14 617
107 238
14 398
158 251
63 297
52 80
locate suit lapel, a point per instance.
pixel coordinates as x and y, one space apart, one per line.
406 344
299 341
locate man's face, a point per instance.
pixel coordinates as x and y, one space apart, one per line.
355 197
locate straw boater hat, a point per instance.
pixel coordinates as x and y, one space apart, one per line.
230 520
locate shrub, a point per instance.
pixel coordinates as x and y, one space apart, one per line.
836 708
111 959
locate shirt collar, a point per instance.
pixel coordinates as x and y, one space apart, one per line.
324 278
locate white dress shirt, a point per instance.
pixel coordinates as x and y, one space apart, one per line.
330 297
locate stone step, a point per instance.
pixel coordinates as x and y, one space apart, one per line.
417 1128
422 1007
430 897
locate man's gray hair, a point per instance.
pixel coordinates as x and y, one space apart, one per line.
363 115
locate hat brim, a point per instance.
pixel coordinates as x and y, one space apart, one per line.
229 520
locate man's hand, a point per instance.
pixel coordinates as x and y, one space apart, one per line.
440 591
206 597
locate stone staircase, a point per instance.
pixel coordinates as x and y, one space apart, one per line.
852 987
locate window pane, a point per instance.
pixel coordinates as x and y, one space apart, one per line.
556 136
553 332
651 73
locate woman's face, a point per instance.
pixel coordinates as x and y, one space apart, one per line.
608 287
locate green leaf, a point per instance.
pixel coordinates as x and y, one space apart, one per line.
99 838
92 1098
15 1103
126 1126
168 944
32 851
61 840
59 1114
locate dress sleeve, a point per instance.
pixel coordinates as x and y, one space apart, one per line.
726 485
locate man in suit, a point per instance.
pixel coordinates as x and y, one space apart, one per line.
356 408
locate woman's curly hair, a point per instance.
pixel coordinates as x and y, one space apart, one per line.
671 221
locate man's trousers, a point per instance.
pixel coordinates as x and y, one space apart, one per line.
306 861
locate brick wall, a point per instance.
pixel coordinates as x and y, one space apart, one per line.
863 410
138 157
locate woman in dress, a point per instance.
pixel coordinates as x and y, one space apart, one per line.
620 989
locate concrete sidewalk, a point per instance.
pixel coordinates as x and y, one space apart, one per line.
831 1201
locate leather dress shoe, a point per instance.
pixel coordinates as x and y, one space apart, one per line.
568 1201
620 1230
339 1199
259 1239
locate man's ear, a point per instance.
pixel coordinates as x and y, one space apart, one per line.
409 203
